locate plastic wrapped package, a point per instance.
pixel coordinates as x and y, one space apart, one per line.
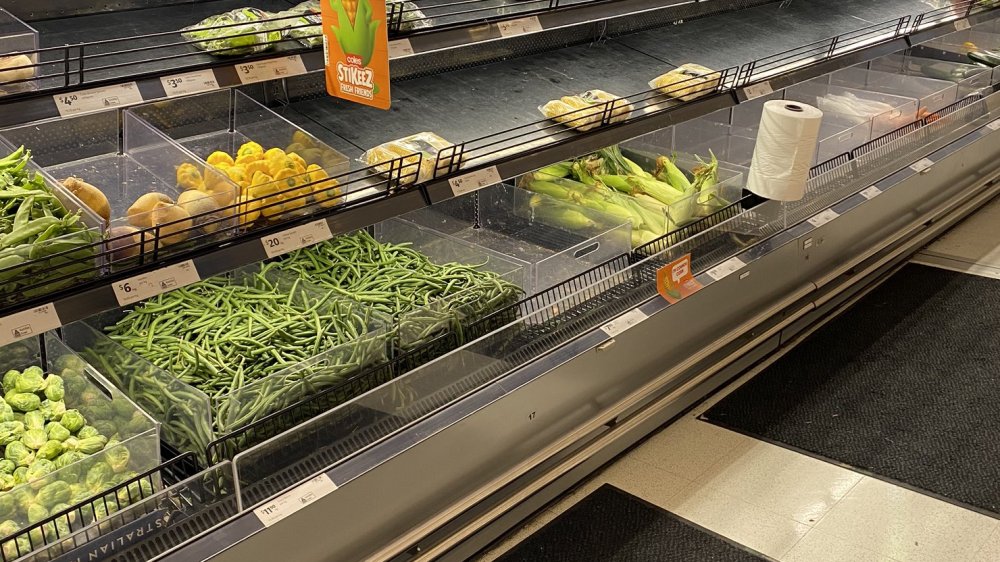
419 153
303 23
223 34
587 110
686 82
410 17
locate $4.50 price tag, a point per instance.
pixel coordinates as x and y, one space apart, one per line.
96 99
520 26
296 238
272 69
147 285
474 181
28 323
295 499
189 83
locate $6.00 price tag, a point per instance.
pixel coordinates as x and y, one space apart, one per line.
295 499
28 323
296 238
474 181
146 285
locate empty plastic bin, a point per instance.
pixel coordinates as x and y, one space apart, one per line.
969 78
886 112
931 94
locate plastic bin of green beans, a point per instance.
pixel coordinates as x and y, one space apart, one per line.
215 356
68 435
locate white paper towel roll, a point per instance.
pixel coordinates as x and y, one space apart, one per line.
786 145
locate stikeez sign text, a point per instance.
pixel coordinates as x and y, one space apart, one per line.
356 51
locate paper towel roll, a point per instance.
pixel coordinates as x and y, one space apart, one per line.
786 146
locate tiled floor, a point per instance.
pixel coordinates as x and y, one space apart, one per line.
794 507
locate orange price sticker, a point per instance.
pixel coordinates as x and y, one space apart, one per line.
674 281
356 51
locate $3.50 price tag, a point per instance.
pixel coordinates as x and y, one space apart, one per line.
96 99
520 26
189 83
147 285
474 181
295 499
28 323
272 69
296 238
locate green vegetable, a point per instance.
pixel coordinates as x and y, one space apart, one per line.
7 482
52 410
6 412
100 476
117 456
54 389
39 469
87 431
23 401
8 380
219 34
34 438
10 431
7 466
20 475
31 379
56 431
50 450
36 513
87 446
55 493
73 420
34 420
19 453
7 507
68 470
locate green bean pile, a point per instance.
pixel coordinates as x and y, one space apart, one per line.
231 339
394 278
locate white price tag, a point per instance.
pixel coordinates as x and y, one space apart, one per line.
871 192
271 69
726 268
141 287
96 99
400 48
520 26
624 322
295 499
823 218
922 165
189 83
296 238
962 24
993 125
758 90
474 181
28 323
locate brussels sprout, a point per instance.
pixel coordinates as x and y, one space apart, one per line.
34 420
20 473
34 438
100 410
57 431
87 431
99 477
88 446
8 528
7 466
105 427
23 401
91 397
50 450
54 388
54 493
9 378
68 458
73 420
54 530
53 410
40 469
32 379
7 507
117 456
123 408
36 513
7 482
19 453
16 548
10 432
6 412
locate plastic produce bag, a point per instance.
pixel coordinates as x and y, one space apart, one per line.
305 28
256 35
421 146
408 14
586 111
686 82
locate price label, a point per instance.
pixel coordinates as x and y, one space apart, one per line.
726 268
624 322
296 238
962 24
189 83
96 99
823 218
400 48
147 285
286 504
758 90
272 69
922 165
871 192
993 125
520 26
28 323
474 181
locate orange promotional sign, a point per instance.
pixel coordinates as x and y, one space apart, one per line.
356 51
674 281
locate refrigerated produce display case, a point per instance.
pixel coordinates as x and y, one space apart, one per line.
276 325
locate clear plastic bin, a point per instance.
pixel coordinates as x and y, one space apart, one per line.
969 77
190 417
511 224
983 37
17 37
898 111
126 159
932 95
731 145
223 121
105 410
